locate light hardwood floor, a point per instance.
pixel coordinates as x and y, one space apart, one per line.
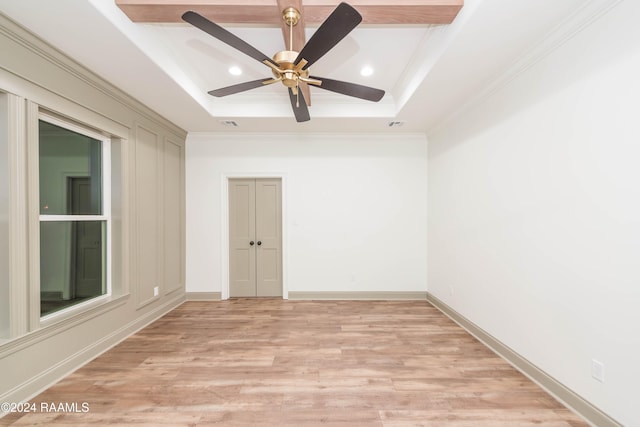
269 362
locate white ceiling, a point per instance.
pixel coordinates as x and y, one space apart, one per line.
428 72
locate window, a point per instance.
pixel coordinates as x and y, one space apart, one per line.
75 215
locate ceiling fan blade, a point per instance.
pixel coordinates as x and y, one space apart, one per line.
241 87
351 89
336 27
225 36
299 105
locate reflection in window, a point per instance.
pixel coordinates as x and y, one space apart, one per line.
73 223
72 263
70 172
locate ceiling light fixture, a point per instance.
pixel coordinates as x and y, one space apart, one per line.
366 71
236 71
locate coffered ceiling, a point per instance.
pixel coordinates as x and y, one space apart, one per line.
431 57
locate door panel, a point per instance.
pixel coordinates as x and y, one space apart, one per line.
268 231
244 207
242 256
243 265
255 216
269 277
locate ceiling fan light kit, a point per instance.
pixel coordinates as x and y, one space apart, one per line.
291 67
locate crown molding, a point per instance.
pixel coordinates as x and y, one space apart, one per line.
311 136
23 37
582 18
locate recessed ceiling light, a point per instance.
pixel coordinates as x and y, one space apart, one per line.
236 71
366 71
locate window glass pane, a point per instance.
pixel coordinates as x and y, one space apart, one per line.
70 172
4 218
72 263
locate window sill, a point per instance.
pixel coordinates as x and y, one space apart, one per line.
74 310
55 324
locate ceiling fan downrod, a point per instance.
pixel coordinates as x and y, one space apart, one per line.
287 71
291 17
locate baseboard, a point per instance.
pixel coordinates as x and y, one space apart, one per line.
36 385
562 393
204 296
355 295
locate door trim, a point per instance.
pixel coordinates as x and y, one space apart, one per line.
224 249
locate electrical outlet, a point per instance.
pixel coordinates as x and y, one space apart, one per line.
156 291
597 370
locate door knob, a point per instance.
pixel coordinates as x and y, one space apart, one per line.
259 242
251 243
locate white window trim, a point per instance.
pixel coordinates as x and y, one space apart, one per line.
106 217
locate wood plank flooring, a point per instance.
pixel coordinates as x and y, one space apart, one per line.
270 362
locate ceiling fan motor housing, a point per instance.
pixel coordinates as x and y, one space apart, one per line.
290 75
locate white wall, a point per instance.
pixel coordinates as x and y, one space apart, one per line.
354 208
534 213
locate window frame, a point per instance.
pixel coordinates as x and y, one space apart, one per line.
106 216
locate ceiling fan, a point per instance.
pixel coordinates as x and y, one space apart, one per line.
291 67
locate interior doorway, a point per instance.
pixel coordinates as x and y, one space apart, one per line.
255 237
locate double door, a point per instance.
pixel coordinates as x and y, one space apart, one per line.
255 237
